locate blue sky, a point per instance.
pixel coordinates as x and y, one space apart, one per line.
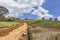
32 9
53 6
29 16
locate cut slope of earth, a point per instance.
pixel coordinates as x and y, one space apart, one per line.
41 33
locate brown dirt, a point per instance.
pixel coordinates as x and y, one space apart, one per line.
14 33
40 33
46 29
6 31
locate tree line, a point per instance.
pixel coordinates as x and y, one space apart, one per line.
55 19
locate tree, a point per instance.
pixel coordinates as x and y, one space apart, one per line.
26 19
3 11
12 19
43 18
50 18
55 19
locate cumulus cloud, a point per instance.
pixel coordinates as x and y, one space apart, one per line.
12 6
18 7
31 2
41 12
58 18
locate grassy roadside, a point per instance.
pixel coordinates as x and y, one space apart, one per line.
8 24
29 34
43 23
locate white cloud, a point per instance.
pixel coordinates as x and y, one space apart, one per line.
58 18
40 12
12 6
18 7
31 2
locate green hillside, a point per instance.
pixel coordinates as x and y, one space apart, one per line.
43 23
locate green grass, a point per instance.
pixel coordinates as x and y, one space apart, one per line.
43 23
29 34
7 24
39 23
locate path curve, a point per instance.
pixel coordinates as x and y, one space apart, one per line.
15 34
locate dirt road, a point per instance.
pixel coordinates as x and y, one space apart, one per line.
15 34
